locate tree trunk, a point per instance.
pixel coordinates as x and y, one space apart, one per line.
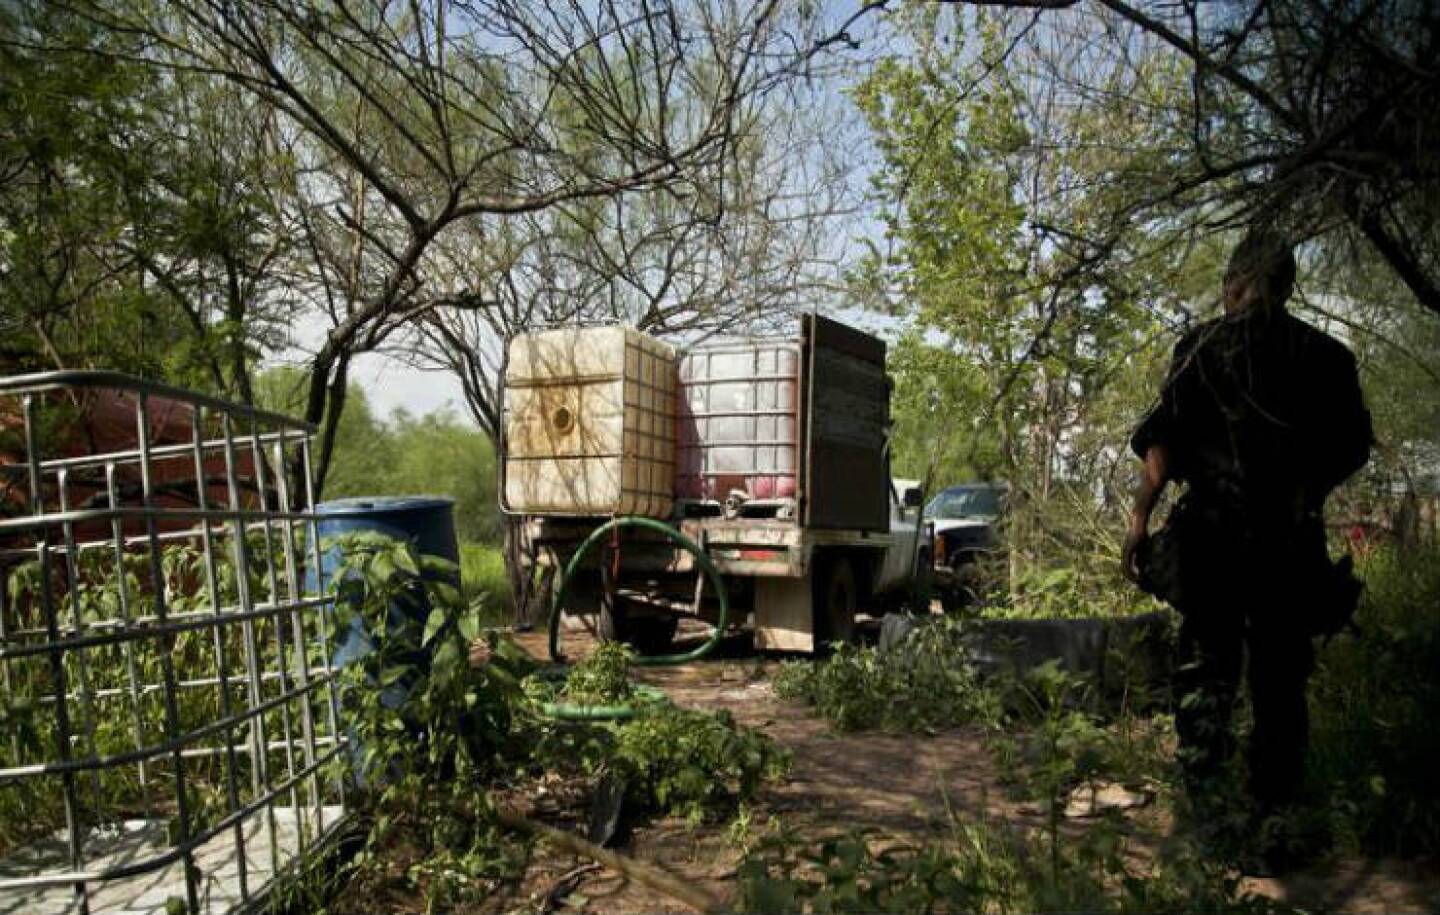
235 314
323 407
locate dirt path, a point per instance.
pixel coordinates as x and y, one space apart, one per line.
903 786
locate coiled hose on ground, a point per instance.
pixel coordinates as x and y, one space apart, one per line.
707 565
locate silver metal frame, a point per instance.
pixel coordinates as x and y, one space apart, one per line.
281 679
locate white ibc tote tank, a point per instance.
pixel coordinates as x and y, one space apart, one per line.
590 423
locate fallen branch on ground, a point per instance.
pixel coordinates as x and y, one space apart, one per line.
649 874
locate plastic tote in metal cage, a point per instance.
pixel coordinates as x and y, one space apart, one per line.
167 702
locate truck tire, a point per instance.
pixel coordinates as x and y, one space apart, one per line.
837 597
652 634
610 623
536 607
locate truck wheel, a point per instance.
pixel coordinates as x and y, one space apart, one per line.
922 591
610 624
536 608
952 600
837 596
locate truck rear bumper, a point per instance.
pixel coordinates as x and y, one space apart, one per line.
747 548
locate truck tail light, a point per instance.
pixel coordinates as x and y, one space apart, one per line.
939 551
762 555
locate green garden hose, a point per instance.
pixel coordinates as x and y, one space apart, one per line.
568 711
706 564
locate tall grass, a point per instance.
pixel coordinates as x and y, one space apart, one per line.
483 576
1375 710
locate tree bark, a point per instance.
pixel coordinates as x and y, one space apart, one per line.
681 890
326 403
1403 261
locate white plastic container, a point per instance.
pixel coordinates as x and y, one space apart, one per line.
739 420
590 423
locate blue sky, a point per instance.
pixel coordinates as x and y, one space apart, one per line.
390 384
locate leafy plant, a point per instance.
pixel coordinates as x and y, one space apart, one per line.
672 761
111 710
1048 741
429 727
1062 747
699 765
603 678
482 573
978 867
1374 701
925 684
1086 586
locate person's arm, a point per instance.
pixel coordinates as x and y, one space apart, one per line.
1151 443
1153 477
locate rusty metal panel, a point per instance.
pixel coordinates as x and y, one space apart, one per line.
848 412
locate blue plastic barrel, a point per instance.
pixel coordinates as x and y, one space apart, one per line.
428 522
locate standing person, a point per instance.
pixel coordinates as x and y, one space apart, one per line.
1261 416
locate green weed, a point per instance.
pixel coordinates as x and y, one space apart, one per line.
112 700
699 765
673 761
430 729
483 577
1047 742
924 685
1077 591
1374 700
980 867
602 678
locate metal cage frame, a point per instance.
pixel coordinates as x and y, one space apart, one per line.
259 632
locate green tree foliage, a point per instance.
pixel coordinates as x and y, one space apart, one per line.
442 453
1039 349
929 440
1312 115
186 183
136 231
1047 279
443 163
1397 345
1056 218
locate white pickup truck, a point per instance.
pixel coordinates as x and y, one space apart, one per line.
781 475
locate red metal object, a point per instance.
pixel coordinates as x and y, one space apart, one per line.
75 425
752 555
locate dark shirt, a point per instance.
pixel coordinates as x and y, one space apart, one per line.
1261 412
